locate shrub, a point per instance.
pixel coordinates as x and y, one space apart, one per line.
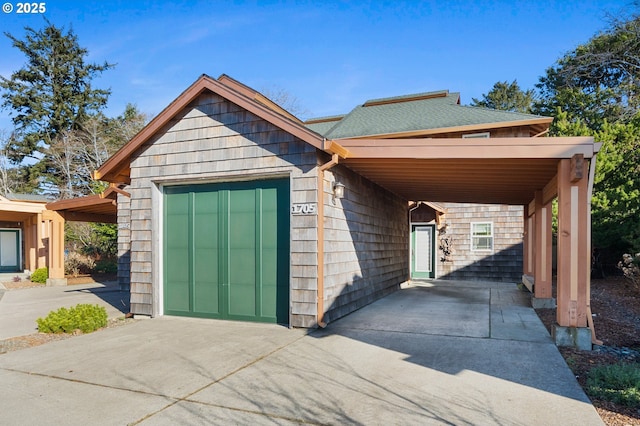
618 383
40 275
630 266
83 317
106 266
76 264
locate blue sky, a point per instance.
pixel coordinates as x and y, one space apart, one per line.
331 55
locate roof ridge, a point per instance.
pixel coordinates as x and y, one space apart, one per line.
325 119
407 98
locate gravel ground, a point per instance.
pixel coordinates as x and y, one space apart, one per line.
616 309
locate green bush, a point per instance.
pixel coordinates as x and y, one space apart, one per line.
40 275
106 266
618 383
83 316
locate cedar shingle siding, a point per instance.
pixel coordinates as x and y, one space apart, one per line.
215 140
366 243
503 263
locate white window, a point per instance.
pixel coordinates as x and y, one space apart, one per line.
482 236
476 135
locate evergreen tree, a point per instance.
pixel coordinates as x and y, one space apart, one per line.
50 95
506 97
598 81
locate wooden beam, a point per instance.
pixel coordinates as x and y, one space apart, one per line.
577 167
492 148
72 216
333 147
550 191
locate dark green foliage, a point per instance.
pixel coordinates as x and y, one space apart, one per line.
106 266
56 115
83 317
594 91
597 81
96 240
52 93
506 97
618 383
40 275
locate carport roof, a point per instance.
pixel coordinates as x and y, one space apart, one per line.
495 171
93 208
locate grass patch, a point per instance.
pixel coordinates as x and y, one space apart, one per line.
618 383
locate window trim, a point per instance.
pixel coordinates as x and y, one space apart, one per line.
491 236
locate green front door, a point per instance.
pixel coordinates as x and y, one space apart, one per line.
9 250
226 250
423 251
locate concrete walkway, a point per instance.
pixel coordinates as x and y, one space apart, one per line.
463 354
20 308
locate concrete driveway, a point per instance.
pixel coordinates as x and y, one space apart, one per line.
463 354
19 309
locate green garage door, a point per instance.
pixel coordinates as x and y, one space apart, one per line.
226 250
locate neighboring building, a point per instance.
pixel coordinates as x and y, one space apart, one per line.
230 207
31 237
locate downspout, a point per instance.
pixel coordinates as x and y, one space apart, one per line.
320 291
592 172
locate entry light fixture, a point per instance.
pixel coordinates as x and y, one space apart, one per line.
338 191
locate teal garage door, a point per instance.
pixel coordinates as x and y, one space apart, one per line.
226 250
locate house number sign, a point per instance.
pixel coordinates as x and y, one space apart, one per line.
304 208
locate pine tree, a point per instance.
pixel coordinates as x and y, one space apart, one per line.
50 95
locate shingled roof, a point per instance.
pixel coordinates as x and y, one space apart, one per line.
412 113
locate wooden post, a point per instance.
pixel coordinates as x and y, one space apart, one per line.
30 244
527 249
573 256
55 230
543 255
42 238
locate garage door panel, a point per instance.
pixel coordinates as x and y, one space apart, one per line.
237 250
178 294
206 281
206 254
242 300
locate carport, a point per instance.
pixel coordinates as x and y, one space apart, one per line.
530 172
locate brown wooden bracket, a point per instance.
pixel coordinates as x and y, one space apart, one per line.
577 167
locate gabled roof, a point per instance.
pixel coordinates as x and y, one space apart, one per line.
323 125
420 114
116 169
